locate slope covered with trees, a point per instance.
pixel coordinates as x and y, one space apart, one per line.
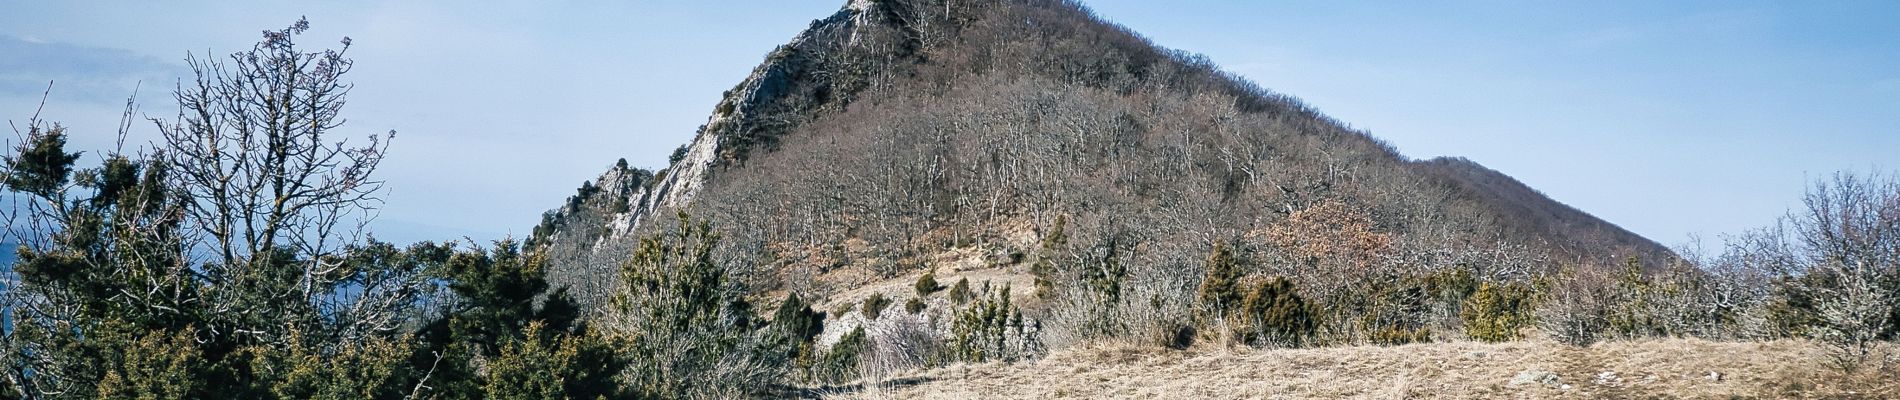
897 130
1127 192
908 185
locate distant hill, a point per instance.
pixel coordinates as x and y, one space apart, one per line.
893 131
1524 212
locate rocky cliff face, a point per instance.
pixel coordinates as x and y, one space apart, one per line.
788 88
809 76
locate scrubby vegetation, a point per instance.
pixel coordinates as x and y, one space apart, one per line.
960 293
1497 313
1104 191
874 306
1152 199
226 263
927 284
990 329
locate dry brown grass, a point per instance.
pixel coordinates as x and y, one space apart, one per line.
1667 368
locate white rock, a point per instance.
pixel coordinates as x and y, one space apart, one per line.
1536 376
1607 378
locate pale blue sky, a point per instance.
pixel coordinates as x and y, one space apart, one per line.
1668 118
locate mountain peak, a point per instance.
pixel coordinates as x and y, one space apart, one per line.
909 127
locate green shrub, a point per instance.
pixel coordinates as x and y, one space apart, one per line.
1218 294
620 205
545 366
796 319
874 305
377 368
927 284
840 364
960 293
724 107
991 329
679 153
1790 306
1393 309
1044 268
1272 312
155 365
1395 335
687 323
1632 311
794 325
1497 312
1451 286
915 305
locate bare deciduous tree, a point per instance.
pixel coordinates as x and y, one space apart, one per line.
1851 233
251 144
265 182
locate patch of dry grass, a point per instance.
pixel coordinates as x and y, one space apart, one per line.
1663 368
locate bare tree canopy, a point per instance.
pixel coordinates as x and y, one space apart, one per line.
251 147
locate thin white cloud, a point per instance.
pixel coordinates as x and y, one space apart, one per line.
1889 85
1606 38
84 73
1716 25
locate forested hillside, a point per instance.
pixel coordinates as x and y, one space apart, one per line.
917 127
1035 137
1121 191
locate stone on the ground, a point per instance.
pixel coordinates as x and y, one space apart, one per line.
1536 376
